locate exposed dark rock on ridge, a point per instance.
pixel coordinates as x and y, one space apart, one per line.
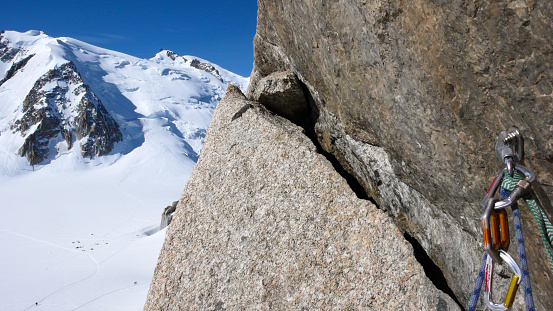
167 215
7 53
209 68
67 111
15 67
411 97
265 222
172 55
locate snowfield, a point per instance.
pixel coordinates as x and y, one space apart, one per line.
83 234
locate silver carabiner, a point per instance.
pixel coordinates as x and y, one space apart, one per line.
513 287
521 188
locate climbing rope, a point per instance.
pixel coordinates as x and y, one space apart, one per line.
544 225
525 275
478 285
513 186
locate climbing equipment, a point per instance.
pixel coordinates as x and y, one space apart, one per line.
514 182
510 147
544 225
520 187
479 280
515 281
521 248
495 229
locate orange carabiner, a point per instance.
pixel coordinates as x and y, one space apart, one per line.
500 229
495 230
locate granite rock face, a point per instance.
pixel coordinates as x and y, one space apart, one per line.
282 93
265 222
410 98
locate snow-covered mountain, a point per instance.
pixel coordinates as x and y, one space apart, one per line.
62 96
93 145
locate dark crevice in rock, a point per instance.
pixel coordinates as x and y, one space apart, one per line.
307 121
288 97
308 124
432 271
350 179
281 92
240 112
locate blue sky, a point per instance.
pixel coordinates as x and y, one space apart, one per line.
219 31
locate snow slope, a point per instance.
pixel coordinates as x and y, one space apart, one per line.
81 233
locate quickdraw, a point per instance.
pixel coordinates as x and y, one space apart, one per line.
510 148
495 227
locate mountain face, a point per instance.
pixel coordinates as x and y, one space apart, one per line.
410 97
60 95
65 111
93 145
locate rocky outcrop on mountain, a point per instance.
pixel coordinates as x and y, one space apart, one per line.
209 68
61 107
172 55
266 222
195 63
282 93
410 97
7 53
16 66
61 97
167 215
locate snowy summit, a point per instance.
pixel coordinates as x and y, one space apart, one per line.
93 145
62 98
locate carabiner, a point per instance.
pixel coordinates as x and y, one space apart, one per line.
495 230
521 188
513 287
